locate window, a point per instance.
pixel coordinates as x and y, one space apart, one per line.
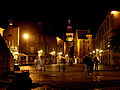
31 49
69 35
83 41
32 37
83 46
84 53
9 35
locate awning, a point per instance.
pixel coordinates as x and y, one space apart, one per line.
21 54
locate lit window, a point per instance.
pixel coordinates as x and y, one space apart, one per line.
69 35
31 49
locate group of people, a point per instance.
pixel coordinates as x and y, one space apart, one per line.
62 64
39 63
90 64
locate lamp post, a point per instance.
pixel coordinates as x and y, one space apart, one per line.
26 36
109 55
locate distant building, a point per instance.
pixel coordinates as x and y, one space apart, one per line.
25 49
77 44
82 44
106 31
69 39
11 37
60 46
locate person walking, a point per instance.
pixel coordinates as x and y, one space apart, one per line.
35 62
58 63
91 63
42 62
63 64
88 65
67 63
96 63
85 61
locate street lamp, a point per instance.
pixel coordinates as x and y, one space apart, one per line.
109 54
97 50
26 36
114 12
40 52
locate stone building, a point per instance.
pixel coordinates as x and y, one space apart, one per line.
108 28
82 44
77 43
25 49
69 39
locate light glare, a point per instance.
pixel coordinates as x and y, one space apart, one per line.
113 12
26 36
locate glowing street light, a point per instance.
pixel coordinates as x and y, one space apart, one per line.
114 12
40 52
52 53
97 50
26 36
93 51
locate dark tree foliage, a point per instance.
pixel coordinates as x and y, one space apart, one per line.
115 41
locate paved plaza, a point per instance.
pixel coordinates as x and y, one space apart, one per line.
74 76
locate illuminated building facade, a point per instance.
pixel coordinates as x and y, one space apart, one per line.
106 31
60 46
26 49
82 44
11 37
69 38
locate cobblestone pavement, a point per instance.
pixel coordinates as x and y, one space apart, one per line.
73 76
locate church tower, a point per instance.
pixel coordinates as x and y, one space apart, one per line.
69 38
10 23
69 32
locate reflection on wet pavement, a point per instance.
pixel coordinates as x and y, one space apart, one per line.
72 77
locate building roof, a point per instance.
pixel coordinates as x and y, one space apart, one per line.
82 34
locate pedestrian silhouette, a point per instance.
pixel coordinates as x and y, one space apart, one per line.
96 63
42 62
35 62
88 65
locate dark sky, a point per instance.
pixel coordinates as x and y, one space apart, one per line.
84 14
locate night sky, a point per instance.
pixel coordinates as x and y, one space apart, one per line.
84 14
